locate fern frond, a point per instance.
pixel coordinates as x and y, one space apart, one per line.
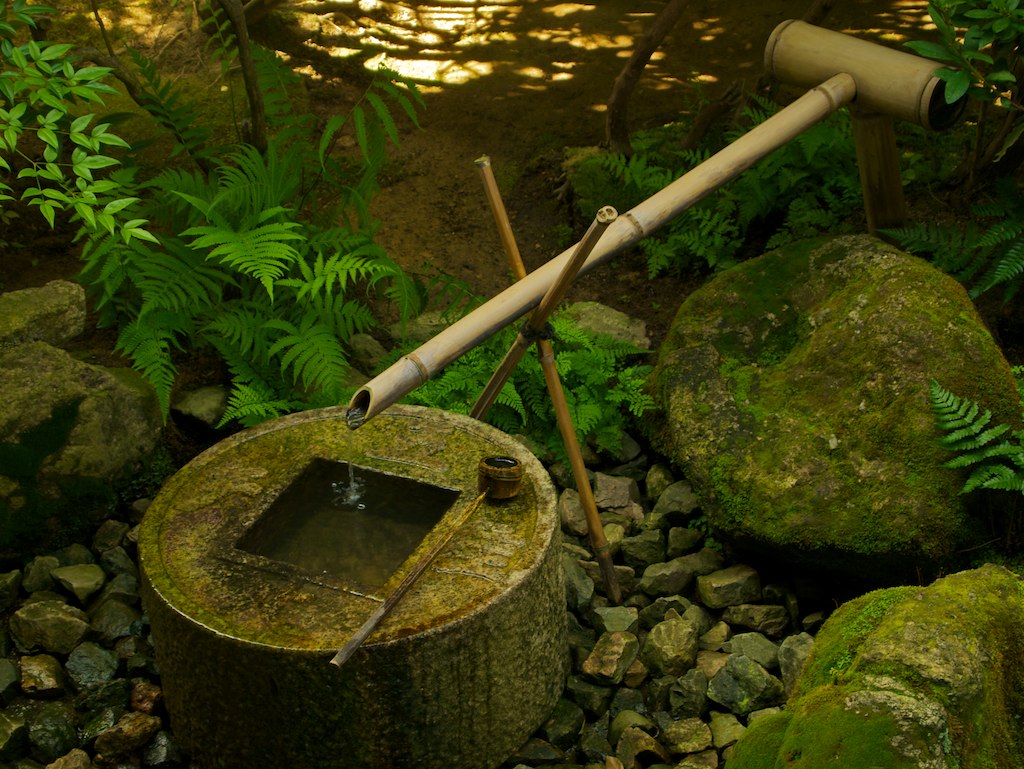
996 465
252 403
310 351
148 340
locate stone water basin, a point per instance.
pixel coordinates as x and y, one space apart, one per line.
247 612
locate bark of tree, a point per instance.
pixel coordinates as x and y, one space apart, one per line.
617 122
257 115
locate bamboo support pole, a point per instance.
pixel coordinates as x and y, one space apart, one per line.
878 163
546 355
534 328
414 369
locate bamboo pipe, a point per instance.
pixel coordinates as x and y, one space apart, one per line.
546 355
414 369
535 325
889 82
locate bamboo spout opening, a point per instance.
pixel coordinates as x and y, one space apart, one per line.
889 82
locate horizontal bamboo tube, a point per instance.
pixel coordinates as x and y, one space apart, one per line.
889 82
415 368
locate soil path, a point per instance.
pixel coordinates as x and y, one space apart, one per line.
524 81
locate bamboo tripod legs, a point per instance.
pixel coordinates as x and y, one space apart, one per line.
546 355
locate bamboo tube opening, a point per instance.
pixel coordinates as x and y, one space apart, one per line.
894 83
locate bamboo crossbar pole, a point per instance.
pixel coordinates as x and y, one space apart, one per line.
414 369
546 356
535 325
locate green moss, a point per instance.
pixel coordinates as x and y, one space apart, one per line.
761 742
837 644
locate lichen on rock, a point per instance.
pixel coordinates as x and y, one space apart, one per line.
795 392
908 678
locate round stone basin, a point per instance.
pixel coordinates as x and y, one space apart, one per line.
247 610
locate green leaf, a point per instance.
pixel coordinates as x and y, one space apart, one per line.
47 136
932 51
957 83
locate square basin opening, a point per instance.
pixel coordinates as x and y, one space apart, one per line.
347 521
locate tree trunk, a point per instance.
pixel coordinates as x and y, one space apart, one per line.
617 123
258 129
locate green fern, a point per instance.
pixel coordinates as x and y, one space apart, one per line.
997 458
986 253
602 391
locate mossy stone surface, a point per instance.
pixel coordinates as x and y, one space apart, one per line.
907 678
458 675
795 390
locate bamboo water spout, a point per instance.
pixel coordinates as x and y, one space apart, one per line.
414 369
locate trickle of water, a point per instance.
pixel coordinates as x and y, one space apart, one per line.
355 417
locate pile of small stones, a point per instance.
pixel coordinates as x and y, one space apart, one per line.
696 650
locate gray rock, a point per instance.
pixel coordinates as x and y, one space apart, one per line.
13 735
624 574
611 657
682 541
659 477
700 618
729 587
563 726
112 619
637 748
421 328
838 348
42 676
655 612
75 554
725 729
50 626
579 587
707 759
90 665
162 752
670 647
673 577
37 573
54 314
628 719
206 404
743 685
82 580
688 697
690 735
716 636
10 678
123 588
111 533
75 759
571 514
591 697
366 353
607 619
52 732
116 561
130 733
594 746
677 500
602 319
614 492
770 620
757 647
644 549
793 653
10 584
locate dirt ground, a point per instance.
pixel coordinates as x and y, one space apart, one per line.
525 81
519 81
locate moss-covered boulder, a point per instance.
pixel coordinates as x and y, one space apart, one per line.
69 431
796 396
907 678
